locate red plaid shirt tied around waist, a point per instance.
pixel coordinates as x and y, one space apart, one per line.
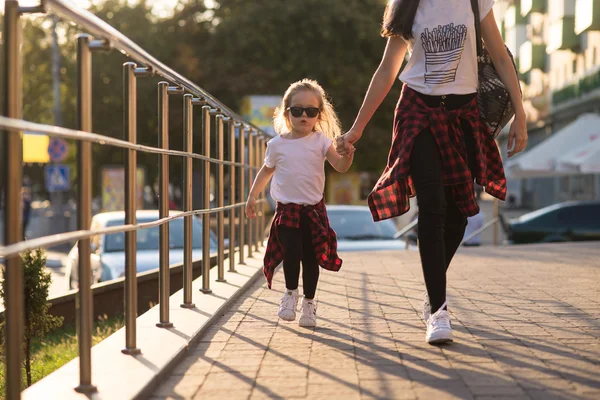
391 194
323 237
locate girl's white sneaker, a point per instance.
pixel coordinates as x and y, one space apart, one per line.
309 314
288 305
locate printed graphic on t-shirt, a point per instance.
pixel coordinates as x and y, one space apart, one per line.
443 48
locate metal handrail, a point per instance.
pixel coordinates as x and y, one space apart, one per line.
485 227
66 133
53 240
11 126
406 229
100 29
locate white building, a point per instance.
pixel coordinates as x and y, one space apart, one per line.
556 44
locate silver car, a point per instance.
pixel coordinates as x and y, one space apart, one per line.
108 251
356 230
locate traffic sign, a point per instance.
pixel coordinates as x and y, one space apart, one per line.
58 178
57 149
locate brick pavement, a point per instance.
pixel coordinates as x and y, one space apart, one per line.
526 323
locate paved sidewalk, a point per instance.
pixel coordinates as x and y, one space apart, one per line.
526 322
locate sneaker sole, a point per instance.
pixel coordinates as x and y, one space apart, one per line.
306 324
289 319
440 338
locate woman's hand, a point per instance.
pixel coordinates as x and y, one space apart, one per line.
517 138
344 144
251 207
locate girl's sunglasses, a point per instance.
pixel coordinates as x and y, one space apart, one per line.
297 112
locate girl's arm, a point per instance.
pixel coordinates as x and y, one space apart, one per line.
338 162
260 182
517 139
381 83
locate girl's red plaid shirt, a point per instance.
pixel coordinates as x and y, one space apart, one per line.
324 238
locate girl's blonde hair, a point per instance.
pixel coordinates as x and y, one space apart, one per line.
328 122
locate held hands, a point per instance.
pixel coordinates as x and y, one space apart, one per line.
251 207
344 144
517 137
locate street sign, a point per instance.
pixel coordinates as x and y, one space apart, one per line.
58 178
57 149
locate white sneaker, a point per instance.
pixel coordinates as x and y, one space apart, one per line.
439 329
288 305
426 307
309 313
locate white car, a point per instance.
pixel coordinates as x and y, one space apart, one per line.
356 230
108 251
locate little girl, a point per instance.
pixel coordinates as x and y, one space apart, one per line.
306 125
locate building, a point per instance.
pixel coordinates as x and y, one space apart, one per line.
556 45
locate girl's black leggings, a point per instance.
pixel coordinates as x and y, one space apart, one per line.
297 246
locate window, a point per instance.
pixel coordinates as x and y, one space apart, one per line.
148 239
352 224
585 216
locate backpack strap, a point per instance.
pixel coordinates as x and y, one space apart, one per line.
475 8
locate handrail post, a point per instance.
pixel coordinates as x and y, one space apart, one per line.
232 195
84 305
130 130
496 212
260 195
11 156
263 204
243 219
163 207
220 197
188 134
206 201
250 180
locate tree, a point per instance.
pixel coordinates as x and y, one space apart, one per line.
38 322
261 46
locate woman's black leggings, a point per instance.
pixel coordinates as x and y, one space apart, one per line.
297 246
441 226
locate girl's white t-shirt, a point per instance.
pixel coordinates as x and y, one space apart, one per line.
443 54
299 168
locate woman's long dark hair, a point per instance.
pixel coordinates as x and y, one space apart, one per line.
399 17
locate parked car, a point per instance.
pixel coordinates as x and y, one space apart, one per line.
356 230
564 222
108 251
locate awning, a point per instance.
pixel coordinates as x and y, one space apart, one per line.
582 160
542 160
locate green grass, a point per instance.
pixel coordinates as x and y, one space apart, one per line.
58 348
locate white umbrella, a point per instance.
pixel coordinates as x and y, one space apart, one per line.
542 160
584 159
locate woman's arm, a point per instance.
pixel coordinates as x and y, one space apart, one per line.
381 83
517 139
338 162
260 182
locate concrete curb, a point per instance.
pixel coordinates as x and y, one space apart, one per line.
120 376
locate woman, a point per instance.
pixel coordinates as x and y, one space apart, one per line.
440 146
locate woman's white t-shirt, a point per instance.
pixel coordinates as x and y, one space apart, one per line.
443 53
299 168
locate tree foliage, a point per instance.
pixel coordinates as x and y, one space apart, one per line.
232 49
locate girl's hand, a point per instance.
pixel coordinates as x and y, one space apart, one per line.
517 138
251 207
345 144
